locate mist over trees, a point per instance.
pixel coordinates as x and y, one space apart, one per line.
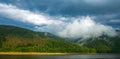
15 39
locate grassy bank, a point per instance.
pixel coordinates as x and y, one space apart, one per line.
38 53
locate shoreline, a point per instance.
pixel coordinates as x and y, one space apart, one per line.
45 53
31 53
40 53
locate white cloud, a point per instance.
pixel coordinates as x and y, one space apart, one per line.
25 15
85 28
79 27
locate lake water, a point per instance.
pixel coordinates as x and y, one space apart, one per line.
69 56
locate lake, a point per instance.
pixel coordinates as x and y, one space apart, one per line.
68 56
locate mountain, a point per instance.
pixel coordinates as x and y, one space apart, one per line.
16 39
104 44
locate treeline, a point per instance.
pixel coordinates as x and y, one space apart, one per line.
104 44
15 39
19 44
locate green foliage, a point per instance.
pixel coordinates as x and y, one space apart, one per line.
115 44
2 39
15 39
104 44
15 43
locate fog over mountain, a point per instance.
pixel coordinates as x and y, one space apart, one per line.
65 18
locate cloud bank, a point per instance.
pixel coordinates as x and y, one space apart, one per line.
26 16
85 28
67 27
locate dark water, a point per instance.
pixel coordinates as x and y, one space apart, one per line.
71 56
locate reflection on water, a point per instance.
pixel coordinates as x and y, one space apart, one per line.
70 56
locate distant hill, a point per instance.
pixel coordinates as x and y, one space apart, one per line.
105 43
16 39
26 33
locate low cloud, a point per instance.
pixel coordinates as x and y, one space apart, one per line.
66 27
85 27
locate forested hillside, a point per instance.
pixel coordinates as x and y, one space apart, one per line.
104 44
16 39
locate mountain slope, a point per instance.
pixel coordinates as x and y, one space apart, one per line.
23 40
104 44
16 39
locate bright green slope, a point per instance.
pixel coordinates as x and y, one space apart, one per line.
15 39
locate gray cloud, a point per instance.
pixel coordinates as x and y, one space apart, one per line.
115 21
64 17
72 8
69 7
79 27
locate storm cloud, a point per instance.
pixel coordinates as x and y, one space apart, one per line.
69 7
67 27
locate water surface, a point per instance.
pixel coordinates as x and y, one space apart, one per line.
68 56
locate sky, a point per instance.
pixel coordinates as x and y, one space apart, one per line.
65 18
